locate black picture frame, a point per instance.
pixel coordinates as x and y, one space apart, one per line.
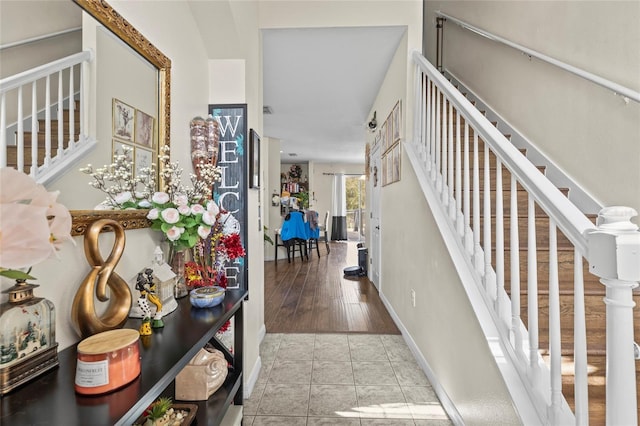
254 160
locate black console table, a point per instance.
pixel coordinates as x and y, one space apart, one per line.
51 399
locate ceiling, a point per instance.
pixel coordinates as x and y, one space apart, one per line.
320 84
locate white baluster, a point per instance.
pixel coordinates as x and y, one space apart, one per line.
532 292
432 140
60 116
466 204
555 339
515 267
47 122
443 150
476 249
499 235
34 130
72 108
20 134
580 343
437 177
451 201
459 215
489 277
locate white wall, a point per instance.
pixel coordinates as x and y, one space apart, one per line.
588 131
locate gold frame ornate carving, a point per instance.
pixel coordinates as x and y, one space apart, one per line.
112 20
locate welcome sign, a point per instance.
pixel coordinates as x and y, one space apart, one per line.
231 193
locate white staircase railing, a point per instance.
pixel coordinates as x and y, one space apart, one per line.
463 158
48 158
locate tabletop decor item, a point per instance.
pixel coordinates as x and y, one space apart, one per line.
33 228
202 376
84 316
164 412
107 361
206 297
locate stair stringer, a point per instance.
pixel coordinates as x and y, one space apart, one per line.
531 401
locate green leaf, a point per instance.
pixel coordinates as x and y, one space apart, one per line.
15 274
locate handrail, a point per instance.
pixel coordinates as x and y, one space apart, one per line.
569 218
626 92
38 38
28 76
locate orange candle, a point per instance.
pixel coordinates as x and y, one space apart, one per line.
107 361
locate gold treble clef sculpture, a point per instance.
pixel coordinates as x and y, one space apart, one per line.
83 312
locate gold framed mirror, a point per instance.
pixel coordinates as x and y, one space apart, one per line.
114 22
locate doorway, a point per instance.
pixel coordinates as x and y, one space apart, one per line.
355 189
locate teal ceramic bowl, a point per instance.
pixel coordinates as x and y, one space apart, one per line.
206 297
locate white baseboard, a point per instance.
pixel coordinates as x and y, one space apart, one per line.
252 378
448 405
261 333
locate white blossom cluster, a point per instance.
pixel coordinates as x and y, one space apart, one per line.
124 191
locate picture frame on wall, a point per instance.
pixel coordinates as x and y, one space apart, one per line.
143 158
117 149
144 129
396 162
123 120
254 159
397 119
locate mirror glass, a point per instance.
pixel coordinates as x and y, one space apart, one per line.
135 74
127 71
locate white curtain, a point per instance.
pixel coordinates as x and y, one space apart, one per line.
339 209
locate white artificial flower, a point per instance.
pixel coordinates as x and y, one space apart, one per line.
197 209
184 209
208 218
160 198
181 200
122 197
213 208
153 214
144 204
174 233
203 231
170 215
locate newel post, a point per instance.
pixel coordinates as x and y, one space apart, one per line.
614 256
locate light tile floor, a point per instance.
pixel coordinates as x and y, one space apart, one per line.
340 379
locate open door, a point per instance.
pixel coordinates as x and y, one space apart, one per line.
375 183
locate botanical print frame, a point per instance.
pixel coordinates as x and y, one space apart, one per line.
397 158
116 149
383 137
144 129
123 120
143 158
254 159
396 119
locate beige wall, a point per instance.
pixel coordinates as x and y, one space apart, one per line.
586 130
414 257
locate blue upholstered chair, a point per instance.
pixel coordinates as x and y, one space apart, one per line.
294 232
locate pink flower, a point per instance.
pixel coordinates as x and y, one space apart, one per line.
197 209
204 231
213 208
32 224
184 209
208 218
174 233
123 197
181 200
170 215
160 198
153 214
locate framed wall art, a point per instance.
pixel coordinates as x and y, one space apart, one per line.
120 148
144 129
123 120
143 159
396 118
254 160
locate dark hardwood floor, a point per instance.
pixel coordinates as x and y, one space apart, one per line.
314 296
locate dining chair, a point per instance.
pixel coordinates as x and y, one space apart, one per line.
294 233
